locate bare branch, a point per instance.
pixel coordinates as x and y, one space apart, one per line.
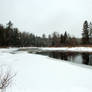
5 79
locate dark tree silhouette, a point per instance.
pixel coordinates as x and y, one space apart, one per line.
10 36
85 34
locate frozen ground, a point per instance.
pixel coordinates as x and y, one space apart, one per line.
36 73
73 49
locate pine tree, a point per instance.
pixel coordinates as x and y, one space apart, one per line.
9 32
85 34
62 40
65 38
1 35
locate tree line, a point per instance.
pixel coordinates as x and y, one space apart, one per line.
87 33
12 37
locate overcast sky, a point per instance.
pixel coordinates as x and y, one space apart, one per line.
47 16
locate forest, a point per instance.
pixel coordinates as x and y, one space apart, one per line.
12 37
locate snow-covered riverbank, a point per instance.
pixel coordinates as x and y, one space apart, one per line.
36 73
72 49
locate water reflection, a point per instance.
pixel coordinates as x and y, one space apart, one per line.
85 57
82 58
63 55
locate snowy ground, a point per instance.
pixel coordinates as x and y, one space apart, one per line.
72 49
36 73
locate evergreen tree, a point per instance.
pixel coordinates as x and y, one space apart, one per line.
65 38
90 30
9 32
10 36
62 40
85 34
1 35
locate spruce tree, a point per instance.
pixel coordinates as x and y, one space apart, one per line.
85 34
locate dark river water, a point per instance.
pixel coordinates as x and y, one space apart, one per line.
81 58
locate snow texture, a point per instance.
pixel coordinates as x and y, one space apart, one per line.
72 49
37 73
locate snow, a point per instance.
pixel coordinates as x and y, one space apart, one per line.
72 49
37 73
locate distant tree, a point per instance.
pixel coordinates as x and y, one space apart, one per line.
10 36
90 30
32 39
44 40
85 34
62 40
90 33
9 25
8 33
1 35
65 38
55 39
15 37
49 40
73 41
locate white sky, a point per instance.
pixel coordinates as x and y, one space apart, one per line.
47 16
